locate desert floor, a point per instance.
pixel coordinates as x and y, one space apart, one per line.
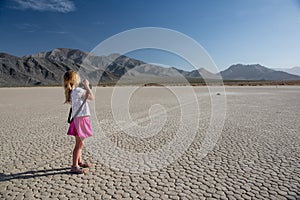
255 155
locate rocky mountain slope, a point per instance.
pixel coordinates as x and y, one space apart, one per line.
47 68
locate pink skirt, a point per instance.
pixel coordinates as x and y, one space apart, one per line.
81 127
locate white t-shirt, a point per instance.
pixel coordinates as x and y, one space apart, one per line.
77 100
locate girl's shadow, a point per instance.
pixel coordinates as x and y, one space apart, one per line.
34 174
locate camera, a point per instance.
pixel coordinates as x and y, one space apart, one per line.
83 87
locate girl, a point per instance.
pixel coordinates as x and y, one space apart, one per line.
80 127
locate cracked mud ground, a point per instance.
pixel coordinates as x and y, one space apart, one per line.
257 155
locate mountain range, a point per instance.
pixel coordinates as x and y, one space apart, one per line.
47 68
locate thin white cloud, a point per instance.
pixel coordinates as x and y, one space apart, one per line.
63 6
26 26
33 28
57 32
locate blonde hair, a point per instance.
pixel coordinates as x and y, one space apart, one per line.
71 80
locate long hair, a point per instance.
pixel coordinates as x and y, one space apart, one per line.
71 80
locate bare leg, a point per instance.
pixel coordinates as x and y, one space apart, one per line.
77 151
80 152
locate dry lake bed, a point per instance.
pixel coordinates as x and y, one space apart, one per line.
255 154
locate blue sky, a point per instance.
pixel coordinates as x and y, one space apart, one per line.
231 31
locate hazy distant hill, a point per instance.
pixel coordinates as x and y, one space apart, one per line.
293 70
202 73
255 72
47 68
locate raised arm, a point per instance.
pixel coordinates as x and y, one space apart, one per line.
88 90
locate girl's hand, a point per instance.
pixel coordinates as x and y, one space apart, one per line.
86 84
88 90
